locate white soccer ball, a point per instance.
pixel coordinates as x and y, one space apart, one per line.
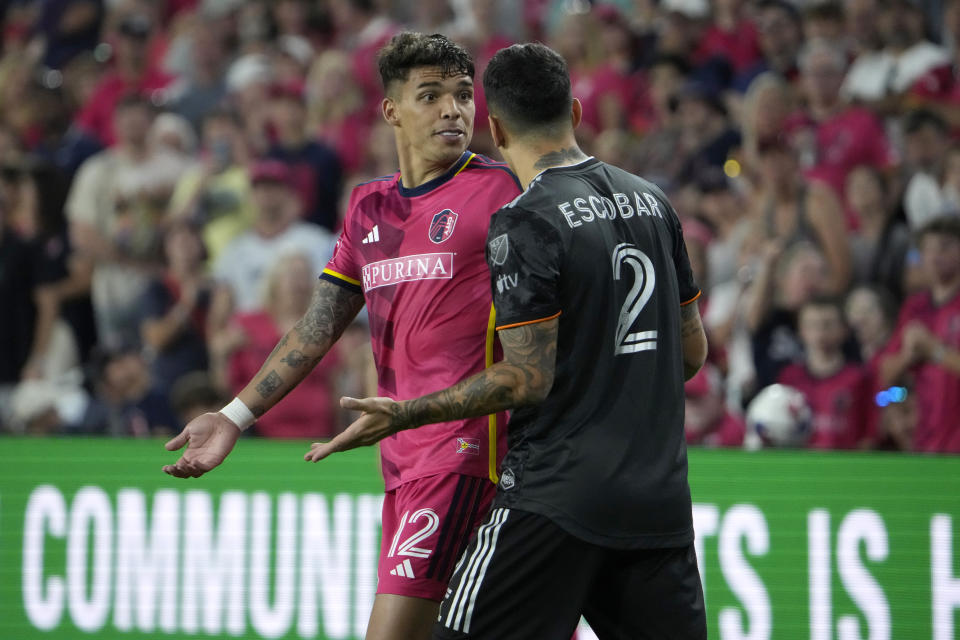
778 416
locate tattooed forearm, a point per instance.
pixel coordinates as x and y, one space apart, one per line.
562 156
693 340
690 323
280 346
295 359
269 385
331 310
524 377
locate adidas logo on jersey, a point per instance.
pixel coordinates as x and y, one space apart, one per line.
373 236
404 570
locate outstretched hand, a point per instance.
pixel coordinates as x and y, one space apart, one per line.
374 425
209 438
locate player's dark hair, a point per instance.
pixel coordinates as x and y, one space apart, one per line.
409 50
528 86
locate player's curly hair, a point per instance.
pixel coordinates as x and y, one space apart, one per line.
409 50
528 85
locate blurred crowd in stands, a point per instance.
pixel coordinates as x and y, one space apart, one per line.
173 175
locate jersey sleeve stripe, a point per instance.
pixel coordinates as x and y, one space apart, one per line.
344 281
520 324
331 272
683 304
465 164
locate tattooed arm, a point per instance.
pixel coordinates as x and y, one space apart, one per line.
693 338
211 436
523 377
332 308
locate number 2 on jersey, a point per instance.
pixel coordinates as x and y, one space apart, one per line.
644 279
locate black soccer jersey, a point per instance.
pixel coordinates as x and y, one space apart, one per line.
604 455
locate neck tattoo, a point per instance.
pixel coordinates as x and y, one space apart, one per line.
561 156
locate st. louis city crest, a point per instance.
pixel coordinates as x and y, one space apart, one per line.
441 227
499 247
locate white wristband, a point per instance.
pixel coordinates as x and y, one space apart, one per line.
239 414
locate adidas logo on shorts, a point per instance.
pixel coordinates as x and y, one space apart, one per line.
404 570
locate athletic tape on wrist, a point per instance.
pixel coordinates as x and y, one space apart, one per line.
239 414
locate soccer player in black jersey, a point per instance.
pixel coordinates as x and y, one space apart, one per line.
597 315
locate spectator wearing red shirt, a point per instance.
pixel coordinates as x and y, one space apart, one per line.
624 88
577 39
310 409
132 74
483 39
362 30
871 312
707 420
600 76
731 36
833 136
940 88
926 342
837 391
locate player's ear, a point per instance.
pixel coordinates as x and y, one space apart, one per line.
496 131
389 109
576 113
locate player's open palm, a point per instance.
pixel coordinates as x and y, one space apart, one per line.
374 425
209 438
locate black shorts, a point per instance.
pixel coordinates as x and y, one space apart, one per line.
524 578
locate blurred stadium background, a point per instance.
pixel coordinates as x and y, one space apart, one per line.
173 174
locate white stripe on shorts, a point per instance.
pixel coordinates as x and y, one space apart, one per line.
463 601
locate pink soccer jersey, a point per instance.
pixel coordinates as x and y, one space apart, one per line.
418 257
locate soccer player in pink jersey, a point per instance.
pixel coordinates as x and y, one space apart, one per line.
412 250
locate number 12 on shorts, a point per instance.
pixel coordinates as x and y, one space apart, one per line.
409 545
644 279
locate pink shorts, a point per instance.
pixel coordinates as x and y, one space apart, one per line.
427 524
